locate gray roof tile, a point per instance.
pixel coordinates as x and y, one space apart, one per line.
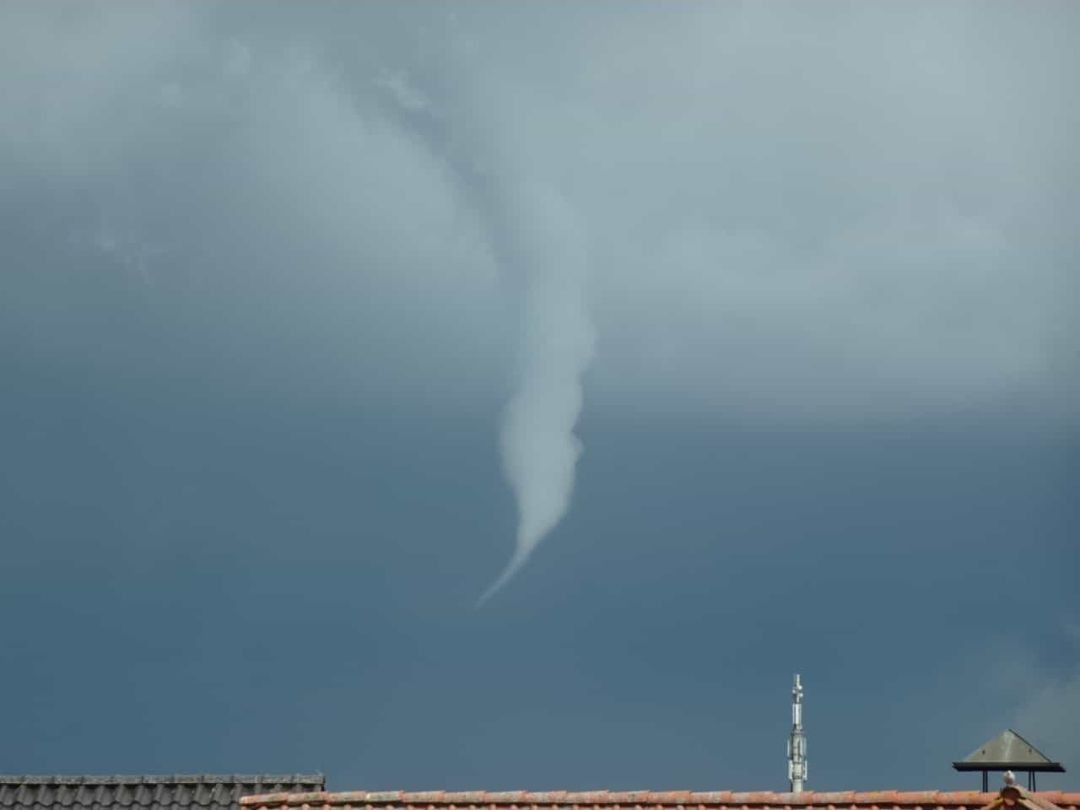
171 792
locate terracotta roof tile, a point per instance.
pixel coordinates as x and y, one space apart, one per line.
705 800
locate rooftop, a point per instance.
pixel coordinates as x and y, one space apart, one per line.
160 792
642 799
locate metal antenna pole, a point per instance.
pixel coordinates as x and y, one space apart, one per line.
798 769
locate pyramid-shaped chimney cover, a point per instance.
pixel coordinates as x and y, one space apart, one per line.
1007 751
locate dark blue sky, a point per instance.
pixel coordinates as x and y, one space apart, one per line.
258 327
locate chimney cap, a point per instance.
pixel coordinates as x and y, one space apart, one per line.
1007 752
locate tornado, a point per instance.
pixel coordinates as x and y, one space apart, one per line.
539 448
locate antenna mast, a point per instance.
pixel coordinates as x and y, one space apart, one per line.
797 768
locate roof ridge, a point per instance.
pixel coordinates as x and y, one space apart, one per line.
163 779
913 798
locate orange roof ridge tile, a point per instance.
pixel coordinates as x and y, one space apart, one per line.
716 798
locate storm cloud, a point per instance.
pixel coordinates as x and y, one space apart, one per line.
791 212
840 214
284 290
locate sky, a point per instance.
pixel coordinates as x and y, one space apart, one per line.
744 334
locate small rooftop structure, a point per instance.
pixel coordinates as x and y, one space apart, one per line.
1008 752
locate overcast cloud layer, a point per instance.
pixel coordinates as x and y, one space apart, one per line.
806 213
657 216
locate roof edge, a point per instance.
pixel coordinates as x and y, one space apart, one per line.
166 779
639 797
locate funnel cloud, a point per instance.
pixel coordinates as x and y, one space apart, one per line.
542 251
538 444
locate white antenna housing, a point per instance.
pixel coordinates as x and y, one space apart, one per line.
798 770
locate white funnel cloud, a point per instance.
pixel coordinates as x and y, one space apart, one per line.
539 448
538 242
